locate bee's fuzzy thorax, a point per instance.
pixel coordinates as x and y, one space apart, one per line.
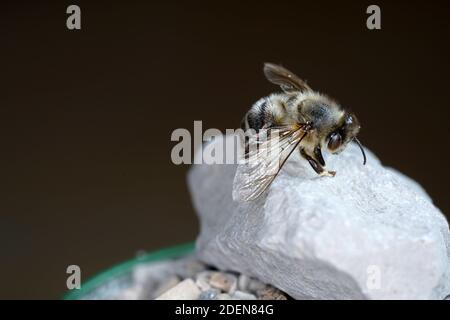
317 108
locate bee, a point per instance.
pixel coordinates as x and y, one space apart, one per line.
303 120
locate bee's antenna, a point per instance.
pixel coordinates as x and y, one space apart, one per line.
362 149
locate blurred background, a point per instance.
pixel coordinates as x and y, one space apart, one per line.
86 116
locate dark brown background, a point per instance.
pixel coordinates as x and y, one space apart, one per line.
86 116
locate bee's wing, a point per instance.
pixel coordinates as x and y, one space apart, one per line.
266 153
286 79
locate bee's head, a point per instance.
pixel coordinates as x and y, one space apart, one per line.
347 131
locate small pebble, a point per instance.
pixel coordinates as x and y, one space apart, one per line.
243 282
185 290
255 285
223 281
239 295
202 284
210 294
271 293
223 296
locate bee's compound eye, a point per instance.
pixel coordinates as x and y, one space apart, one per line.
335 141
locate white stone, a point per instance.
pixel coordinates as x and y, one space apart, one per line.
370 232
243 282
210 294
185 290
224 296
202 284
239 295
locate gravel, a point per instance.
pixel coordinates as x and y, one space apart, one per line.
184 279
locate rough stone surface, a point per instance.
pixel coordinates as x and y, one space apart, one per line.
369 232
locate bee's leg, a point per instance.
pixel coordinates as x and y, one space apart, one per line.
318 155
319 158
318 168
327 173
314 164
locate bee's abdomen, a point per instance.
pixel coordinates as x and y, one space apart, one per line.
257 116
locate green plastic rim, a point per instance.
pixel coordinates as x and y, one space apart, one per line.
124 267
